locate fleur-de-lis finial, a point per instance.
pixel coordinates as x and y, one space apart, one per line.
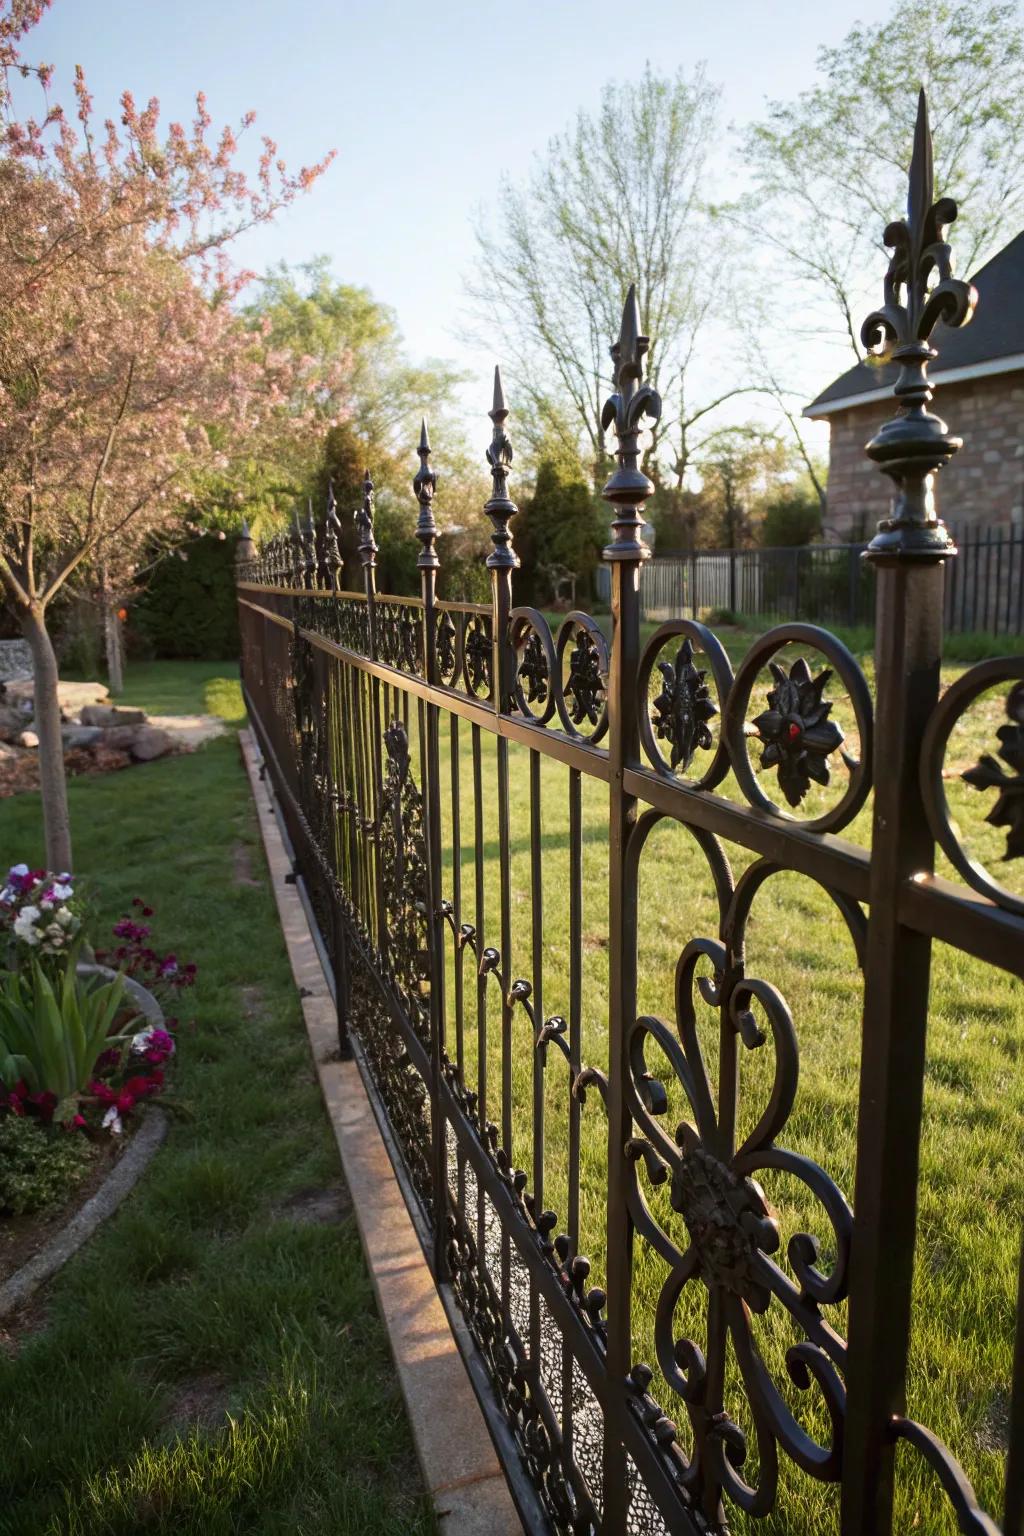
297 554
364 523
920 290
424 485
332 549
500 508
309 546
633 400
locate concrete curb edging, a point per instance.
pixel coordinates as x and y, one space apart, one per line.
120 1181
457 1457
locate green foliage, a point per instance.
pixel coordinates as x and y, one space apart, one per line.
791 516
38 1166
52 1033
317 317
188 609
740 467
560 532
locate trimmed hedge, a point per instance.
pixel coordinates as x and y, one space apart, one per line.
188 610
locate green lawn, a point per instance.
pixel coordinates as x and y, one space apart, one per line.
211 1363
972 1202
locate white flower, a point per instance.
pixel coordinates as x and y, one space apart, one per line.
56 933
112 1121
60 891
17 869
24 925
66 918
141 1041
8 896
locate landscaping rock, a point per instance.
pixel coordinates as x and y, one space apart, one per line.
122 737
111 714
27 739
12 721
80 735
150 741
71 696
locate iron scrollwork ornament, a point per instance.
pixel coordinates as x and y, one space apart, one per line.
797 733
684 707
533 669
732 1234
585 683
1008 810
404 872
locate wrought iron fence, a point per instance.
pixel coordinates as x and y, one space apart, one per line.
832 584
412 744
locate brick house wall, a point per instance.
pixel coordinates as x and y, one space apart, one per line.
982 487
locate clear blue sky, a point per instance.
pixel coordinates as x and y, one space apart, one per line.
426 103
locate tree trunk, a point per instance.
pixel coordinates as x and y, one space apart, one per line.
112 639
52 782
111 636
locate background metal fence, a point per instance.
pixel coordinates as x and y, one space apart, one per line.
830 584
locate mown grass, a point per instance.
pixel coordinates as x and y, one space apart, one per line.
208 1364
971 1200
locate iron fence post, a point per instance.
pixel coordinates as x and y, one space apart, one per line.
908 552
626 491
428 564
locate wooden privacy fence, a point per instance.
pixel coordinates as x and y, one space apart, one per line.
831 584
605 1204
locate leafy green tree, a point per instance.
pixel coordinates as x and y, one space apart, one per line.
831 166
740 467
792 516
561 530
312 315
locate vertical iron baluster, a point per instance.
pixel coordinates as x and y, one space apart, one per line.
459 960
480 914
501 562
505 916
537 934
575 1063
368 560
907 552
427 563
460 1061
339 946
626 491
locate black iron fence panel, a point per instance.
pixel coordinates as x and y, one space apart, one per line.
473 798
832 584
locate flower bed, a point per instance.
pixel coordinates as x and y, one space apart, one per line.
86 1038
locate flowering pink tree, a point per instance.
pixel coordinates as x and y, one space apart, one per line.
124 369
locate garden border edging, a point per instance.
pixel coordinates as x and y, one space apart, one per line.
460 1467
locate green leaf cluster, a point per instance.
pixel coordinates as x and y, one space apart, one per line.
51 1033
38 1167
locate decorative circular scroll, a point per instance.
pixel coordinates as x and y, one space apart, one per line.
536 667
684 708
582 697
448 648
1008 809
476 656
795 731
